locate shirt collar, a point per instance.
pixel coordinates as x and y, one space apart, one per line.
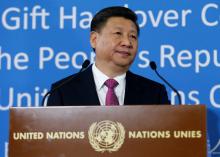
100 77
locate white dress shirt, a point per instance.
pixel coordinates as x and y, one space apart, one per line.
101 89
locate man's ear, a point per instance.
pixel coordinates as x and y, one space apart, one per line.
93 39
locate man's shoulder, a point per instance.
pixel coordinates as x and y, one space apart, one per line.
140 80
65 80
72 79
146 90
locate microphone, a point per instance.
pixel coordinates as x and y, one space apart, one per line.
85 64
154 67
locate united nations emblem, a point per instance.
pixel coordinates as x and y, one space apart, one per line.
106 136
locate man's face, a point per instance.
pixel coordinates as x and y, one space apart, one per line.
116 44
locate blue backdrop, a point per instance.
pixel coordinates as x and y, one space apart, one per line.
42 42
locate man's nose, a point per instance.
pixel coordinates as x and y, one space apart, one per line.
126 41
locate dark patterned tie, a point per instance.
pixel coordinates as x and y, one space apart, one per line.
111 98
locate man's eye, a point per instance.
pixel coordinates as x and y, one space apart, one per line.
117 33
134 36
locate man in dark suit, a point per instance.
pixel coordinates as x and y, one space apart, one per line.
114 38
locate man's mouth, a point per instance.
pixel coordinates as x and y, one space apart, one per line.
124 53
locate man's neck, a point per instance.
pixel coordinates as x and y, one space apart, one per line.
110 71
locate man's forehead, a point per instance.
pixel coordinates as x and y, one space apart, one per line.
119 23
131 30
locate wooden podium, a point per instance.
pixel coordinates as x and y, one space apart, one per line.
100 131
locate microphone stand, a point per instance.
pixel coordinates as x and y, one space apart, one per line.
85 64
154 67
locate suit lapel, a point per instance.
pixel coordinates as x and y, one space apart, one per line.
131 90
88 84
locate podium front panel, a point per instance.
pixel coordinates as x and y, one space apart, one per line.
100 131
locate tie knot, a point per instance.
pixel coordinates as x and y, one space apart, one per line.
111 83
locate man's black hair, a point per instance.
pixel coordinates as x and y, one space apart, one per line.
100 19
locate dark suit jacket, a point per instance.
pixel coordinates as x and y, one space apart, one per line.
80 90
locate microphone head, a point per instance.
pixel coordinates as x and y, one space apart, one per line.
153 65
85 64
